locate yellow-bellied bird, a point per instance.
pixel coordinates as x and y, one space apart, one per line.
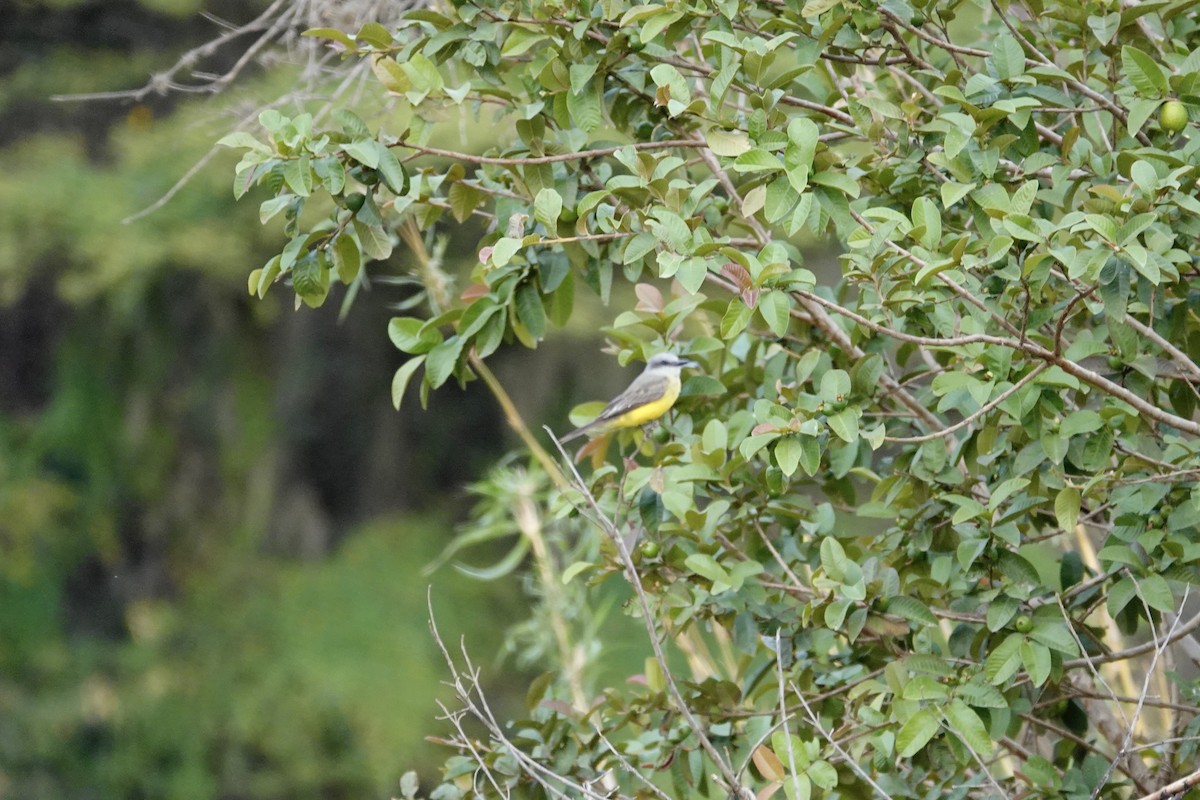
649 397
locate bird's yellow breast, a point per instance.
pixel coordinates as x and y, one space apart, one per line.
649 411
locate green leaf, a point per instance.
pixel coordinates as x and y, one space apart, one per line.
835 386
1055 635
780 200
835 613
757 161
638 247
307 277
374 241
503 567
581 76
375 34
823 775
656 24
351 123
530 310
413 335
298 175
1004 661
728 144
692 273
775 307
916 733
331 173
244 140
1105 27
735 319
1001 611
1017 568
1008 56
364 151
810 455
347 261
1037 662
391 75
1140 110
1083 421
424 76
585 108
961 130
401 378
546 208
967 724
833 559
504 250
1143 72
562 301
953 192
336 35
521 40
1066 509
391 170
464 199
837 180
815 8
844 423
442 360
787 454
981 695
266 276
269 208
754 201
929 664
715 437
911 609
968 508
706 566
575 569
1119 596
927 222
702 386
1156 592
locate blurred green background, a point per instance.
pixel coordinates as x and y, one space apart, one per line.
213 525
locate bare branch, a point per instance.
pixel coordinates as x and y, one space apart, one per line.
1007 393
1175 790
614 535
1123 751
815 721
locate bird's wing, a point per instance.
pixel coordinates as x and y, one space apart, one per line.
644 389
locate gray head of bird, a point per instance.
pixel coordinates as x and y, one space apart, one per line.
664 362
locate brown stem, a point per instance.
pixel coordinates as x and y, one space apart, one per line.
517 162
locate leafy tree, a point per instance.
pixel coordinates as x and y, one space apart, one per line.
923 527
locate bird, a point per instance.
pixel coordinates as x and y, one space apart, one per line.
649 397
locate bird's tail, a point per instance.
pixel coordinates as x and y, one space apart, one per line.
580 431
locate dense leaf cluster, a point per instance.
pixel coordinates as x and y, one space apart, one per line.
904 526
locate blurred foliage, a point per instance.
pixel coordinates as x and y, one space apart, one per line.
905 529
261 680
195 601
77 208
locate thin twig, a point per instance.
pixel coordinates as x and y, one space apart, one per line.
730 778
1175 790
1159 647
783 718
1137 650
533 160
1016 387
850 762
